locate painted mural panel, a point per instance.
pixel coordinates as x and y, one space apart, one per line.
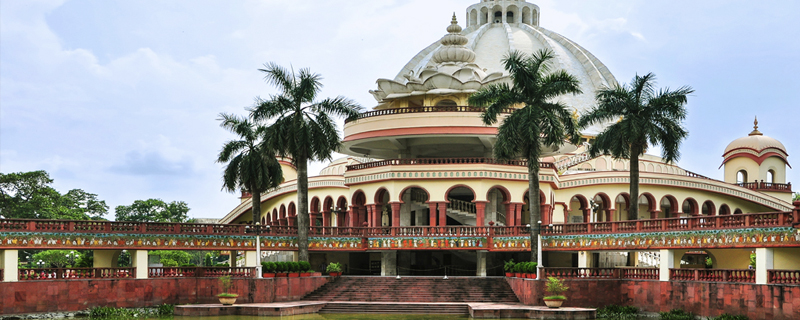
511 244
450 243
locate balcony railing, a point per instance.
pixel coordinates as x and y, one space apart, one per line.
438 161
421 110
639 273
582 273
766 186
75 273
784 276
770 219
186 272
713 275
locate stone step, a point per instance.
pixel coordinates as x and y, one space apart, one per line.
404 308
415 290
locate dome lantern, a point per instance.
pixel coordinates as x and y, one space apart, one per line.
755 158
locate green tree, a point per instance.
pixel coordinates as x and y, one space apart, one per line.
796 196
172 257
153 210
302 128
540 121
28 195
647 117
252 166
55 258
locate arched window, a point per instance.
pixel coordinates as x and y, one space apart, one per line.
770 176
741 176
498 16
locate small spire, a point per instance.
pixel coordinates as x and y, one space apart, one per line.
755 128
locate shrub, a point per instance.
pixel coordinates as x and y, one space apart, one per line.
531 267
509 266
555 287
618 312
676 314
294 267
279 267
305 266
726 316
334 267
226 284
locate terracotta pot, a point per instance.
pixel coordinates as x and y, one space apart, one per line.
316 274
227 300
333 274
294 275
281 275
509 274
518 275
305 274
268 275
553 303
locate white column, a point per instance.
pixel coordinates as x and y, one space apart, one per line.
481 261
405 210
250 259
388 263
9 262
764 261
139 261
584 259
666 261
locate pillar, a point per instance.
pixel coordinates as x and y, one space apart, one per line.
547 214
481 262
395 214
250 259
666 261
326 218
610 214
370 217
480 216
587 215
442 214
518 213
8 261
432 214
764 261
585 259
312 219
388 263
139 261
653 214
510 216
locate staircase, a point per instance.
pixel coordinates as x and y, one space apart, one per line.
414 290
395 308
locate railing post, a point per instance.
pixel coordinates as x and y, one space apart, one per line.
696 274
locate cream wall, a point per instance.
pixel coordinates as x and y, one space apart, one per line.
742 163
786 258
730 258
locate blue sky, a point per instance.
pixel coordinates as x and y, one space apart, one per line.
120 98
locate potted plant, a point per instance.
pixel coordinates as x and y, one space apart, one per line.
280 269
334 269
555 287
294 269
530 269
509 268
268 269
226 298
518 270
304 269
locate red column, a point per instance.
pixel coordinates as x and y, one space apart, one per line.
510 216
370 221
547 214
442 213
376 215
480 208
518 213
610 214
653 214
326 218
587 215
312 219
395 214
432 213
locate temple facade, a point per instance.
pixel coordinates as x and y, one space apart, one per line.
422 157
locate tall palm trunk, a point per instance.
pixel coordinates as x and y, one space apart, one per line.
302 207
255 197
534 209
633 211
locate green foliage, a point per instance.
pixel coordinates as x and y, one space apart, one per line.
54 258
85 260
334 267
111 313
796 196
173 257
618 312
167 262
302 128
753 259
676 314
28 195
304 266
709 262
124 259
153 210
207 260
508 266
225 283
642 116
726 316
555 287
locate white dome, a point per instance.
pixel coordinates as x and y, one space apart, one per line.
491 41
755 144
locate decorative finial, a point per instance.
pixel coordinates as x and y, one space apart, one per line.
755 128
453 49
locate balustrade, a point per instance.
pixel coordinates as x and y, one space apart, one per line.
186 272
783 276
460 205
639 273
438 161
766 186
582 273
713 275
384 112
75 273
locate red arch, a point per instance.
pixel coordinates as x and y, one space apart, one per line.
379 195
673 203
274 217
542 199
605 198
506 194
737 211
693 204
584 203
724 210
712 210
292 210
283 212
400 197
314 208
474 195
626 197
359 198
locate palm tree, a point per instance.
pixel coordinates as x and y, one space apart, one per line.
301 128
251 166
540 120
645 116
